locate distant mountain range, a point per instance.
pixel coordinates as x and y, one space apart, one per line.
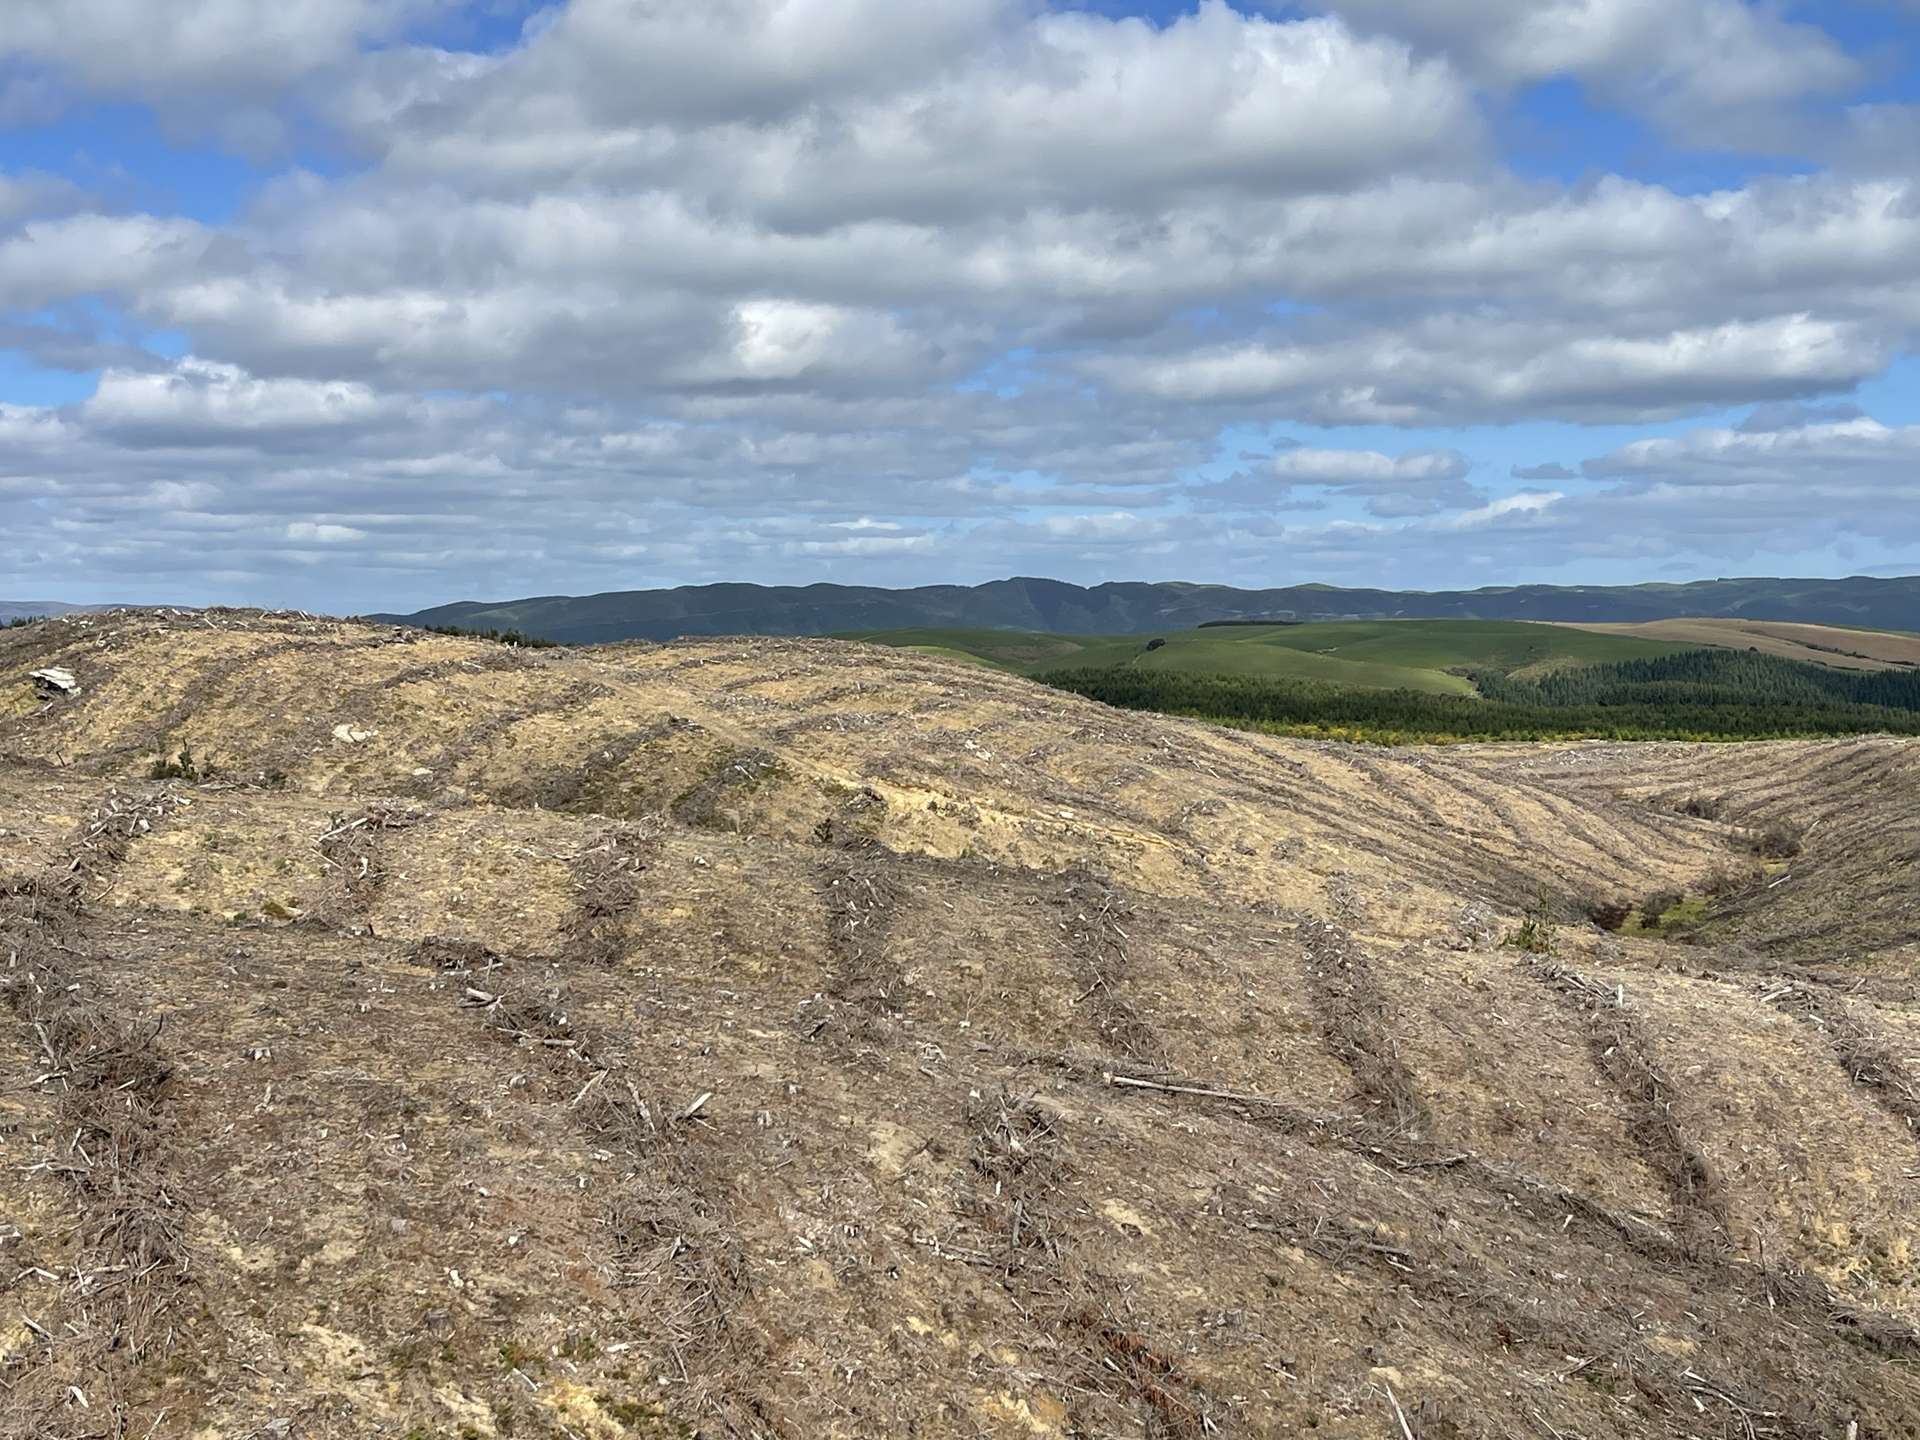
1134 608
35 609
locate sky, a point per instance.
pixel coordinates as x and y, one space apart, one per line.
376 304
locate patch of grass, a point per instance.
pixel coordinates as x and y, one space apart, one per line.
1658 904
947 652
1003 649
1689 913
1668 913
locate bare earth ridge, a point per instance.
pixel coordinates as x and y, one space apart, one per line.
794 1038
1833 645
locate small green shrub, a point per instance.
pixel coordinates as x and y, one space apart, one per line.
1778 841
181 767
1658 904
1727 881
1535 933
1609 914
518 639
515 1356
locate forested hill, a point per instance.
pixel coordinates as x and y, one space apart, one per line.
1692 695
1706 677
1133 608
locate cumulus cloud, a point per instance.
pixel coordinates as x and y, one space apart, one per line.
1419 482
1856 451
1446 369
1708 69
125 48
647 291
201 403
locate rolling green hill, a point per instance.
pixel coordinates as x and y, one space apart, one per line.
1367 654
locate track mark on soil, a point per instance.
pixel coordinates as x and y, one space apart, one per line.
1096 929
126 1278
1353 1014
598 932
1623 1056
1867 1056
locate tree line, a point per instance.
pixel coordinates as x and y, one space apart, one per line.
1694 695
1706 677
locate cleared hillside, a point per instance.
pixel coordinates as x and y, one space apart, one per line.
797 1038
1834 645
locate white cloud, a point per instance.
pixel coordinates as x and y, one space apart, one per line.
322 534
49 260
1708 69
1853 451
1448 369
793 288
1419 482
138 48
202 403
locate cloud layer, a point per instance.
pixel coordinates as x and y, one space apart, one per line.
629 292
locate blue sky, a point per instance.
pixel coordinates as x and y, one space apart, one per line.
373 303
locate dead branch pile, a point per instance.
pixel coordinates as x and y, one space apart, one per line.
1353 1018
1014 1165
1098 942
350 855
598 932
861 888
1867 1056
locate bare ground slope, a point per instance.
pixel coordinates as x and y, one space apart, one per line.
789 1038
1835 645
